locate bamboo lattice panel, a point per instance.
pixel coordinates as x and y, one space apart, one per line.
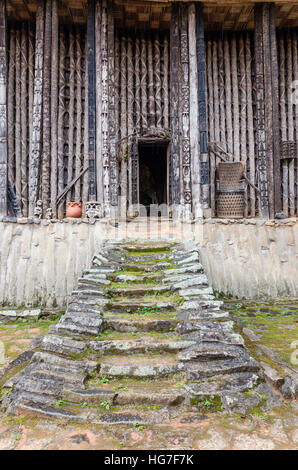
218 15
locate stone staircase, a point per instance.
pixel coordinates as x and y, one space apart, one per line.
143 338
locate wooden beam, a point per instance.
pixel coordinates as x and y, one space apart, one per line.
204 160
3 111
91 97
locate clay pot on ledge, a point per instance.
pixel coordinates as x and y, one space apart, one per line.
74 209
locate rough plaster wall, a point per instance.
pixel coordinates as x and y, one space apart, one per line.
251 260
41 264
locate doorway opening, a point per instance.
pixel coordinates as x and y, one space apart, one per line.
153 177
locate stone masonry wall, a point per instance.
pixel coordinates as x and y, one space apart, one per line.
41 261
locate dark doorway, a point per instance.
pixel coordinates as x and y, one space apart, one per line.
153 174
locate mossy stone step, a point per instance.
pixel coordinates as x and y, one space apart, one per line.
144 345
145 267
131 306
134 324
140 366
138 290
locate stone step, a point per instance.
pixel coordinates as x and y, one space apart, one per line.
199 370
140 392
144 257
191 268
136 366
135 291
145 247
62 345
133 324
136 278
145 267
144 345
221 384
92 283
195 281
203 315
136 306
210 351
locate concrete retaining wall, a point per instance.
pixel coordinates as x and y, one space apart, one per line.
40 262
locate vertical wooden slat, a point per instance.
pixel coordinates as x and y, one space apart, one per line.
3 111
71 108
290 124
31 53
117 87
78 88
194 112
85 191
137 86
113 173
123 128
24 121
268 108
61 114
260 111
18 141
235 94
295 65
250 126
186 156
157 81
229 120
151 85
54 108
221 83
105 106
11 106
130 123
144 83
91 98
34 158
204 163
243 110
283 122
165 83
46 125
275 110
174 98
98 95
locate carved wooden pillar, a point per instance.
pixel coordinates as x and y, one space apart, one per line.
3 111
34 155
91 97
204 160
267 122
174 99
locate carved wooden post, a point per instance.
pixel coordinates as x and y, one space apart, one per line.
91 98
113 174
193 113
3 111
204 161
174 99
267 124
54 107
185 124
34 157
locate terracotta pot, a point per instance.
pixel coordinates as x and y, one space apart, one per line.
74 209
